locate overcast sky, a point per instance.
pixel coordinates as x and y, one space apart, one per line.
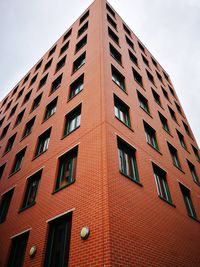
170 29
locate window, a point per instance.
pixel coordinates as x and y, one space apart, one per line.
137 77
143 102
156 97
181 139
38 66
150 134
18 249
15 90
26 78
72 120
141 47
145 60
174 156
33 80
115 54
4 102
121 111
1 121
127 30
13 111
159 76
154 62
83 29
193 172
5 130
43 81
2 168
164 122
165 94
79 62
18 161
129 43
8 105
161 183
58 243
150 77
20 93
5 203
188 201
133 58
56 84
186 128
178 108
64 48
10 143
28 127
166 76
84 17
76 86
173 115
112 22
27 97
66 169
81 43
196 153
67 35
110 10
48 65
52 51
127 160
50 109
60 64
172 91
43 142
31 190
36 102
113 36
118 78
19 118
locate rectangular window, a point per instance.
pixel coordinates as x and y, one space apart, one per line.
33 80
118 78
127 160
56 84
20 93
174 156
5 130
1 121
196 153
13 111
10 143
31 190
81 43
50 109
112 22
64 48
5 204
161 183
76 86
156 97
36 102
178 108
18 249
165 94
79 62
66 169
173 115
154 62
8 105
143 102
115 54
110 10
172 91
19 118
133 58
150 77
26 78
193 172
27 97
188 201
4 102
150 134
129 42
72 120
14 91
181 139
141 47
48 65
38 66
28 128
67 35
18 161
159 77
121 111
166 76
113 36
52 51
127 30
83 29
60 64
137 77
186 128
43 81
145 60
58 243
164 122
2 168
84 17
43 143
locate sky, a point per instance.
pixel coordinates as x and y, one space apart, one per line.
168 28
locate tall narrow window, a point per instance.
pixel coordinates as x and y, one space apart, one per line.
178 108
112 22
36 102
60 64
10 143
5 130
143 102
2 168
81 43
115 54
43 81
56 84
156 97
18 161
19 118
83 29
26 78
118 78
76 86
181 139
43 142
133 58
113 36
28 128
127 30
110 10
188 201
141 47
66 169
84 17
52 51
38 66
13 111
64 48
122 111
165 94
79 62
72 120
1 121
129 42
20 93
50 109
150 134
196 153
67 35
186 128
164 122
5 204
145 60
193 172
137 77
27 97
33 80
173 114
48 64
159 77
150 77
58 243
174 156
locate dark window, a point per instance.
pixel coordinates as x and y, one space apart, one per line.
72 120
4 102
50 109
127 160
48 65
166 76
26 78
164 122
113 36
43 142
181 139
28 128
154 63
18 249
129 43
196 153
18 161
186 128
76 86
150 134
110 10
122 111
173 115
150 76
143 102
58 243
36 102
64 48
10 143
60 64
141 47
159 76
115 54
118 78
56 84
52 51
2 168
161 182
33 80
193 172
8 105
133 58
31 190
38 65
84 17
27 97
171 90
137 77
1 121
79 62
5 130
67 35
188 201
145 60
19 118
127 30
83 29
178 108
112 22
13 111
165 94
43 81
156 97
174 156
14 91
5 203
66 169
81 43
20 93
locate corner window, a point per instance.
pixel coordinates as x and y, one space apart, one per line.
72 120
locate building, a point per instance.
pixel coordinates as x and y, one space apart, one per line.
99 166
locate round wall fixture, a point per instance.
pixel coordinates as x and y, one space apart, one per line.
85 231
32 251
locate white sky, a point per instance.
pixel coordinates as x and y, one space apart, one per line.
170 29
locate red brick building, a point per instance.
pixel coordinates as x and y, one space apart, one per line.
94 139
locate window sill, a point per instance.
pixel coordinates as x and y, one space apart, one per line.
74 96
120 87
117 61
69 133
130 178
167 132
6 153
124 124
156 149
25 137
51 92
195 219
35 157
11 174
47 118
25 208
141 85
168 202
179 168
59 189
146 112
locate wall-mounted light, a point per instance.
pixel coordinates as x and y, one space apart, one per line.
32 251
85 231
